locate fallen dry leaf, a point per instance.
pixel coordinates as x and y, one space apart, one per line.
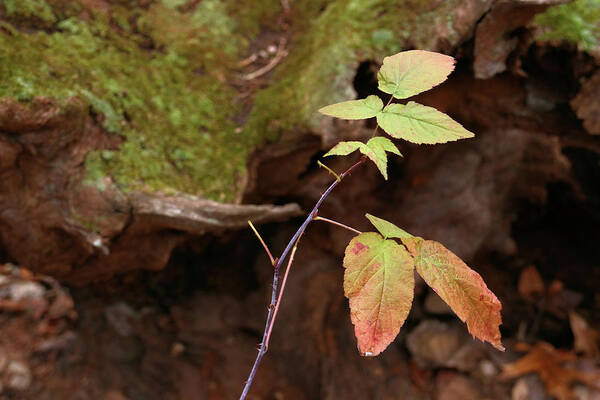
586 337
546 361
530 284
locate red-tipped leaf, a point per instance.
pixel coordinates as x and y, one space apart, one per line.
379 282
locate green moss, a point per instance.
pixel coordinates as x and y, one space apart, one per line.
577 22
171 103
159 75
32 10
329 41
41 14
88 225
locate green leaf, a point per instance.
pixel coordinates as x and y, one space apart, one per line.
420 124
379 282
383 143
460 287
412 72
378 156
344 148
354 109
374 149
387 229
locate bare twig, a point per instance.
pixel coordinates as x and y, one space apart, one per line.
318 218
263 243
311 216
247 61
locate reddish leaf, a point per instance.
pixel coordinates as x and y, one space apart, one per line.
379 282
411 72
460 287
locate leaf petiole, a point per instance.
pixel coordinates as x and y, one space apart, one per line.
273 261
338 224
330 171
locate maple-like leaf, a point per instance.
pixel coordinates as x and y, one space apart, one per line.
387 229
375 149
546 361
460 287
420 124
379 282
411 72
354 109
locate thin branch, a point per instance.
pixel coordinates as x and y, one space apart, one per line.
318 218
263 243
263 349
285 275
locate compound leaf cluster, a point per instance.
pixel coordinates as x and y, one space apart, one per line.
379 271
402 75
379 283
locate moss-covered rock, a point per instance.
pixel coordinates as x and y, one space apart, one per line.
577 22
156 76
159 75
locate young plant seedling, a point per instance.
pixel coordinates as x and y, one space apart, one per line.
379 266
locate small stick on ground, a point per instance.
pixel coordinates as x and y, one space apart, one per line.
281 53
